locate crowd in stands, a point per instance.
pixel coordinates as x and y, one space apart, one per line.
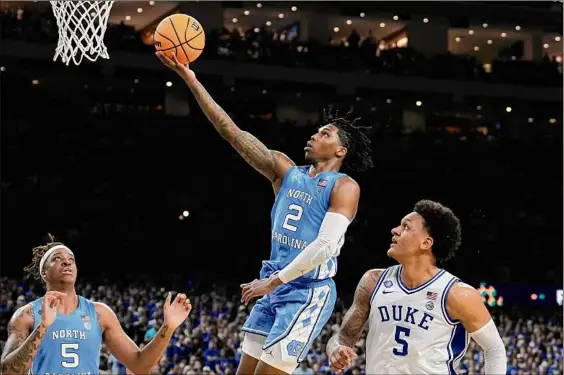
265 46
209 342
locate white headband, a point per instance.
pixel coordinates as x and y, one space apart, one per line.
47 254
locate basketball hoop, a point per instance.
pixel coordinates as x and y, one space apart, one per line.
82 25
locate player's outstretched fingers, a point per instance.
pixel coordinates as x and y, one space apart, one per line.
187 305
168 298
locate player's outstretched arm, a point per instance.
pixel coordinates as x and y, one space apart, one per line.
340 346
141 361
272 164
465 304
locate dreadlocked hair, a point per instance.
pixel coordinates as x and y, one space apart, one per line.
33 271
354 138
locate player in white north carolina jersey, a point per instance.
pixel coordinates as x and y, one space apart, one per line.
420 317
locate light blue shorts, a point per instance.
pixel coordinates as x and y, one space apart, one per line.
293 315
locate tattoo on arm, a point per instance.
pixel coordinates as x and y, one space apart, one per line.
21 347
255 153
357 316
164 331
248 146
215 114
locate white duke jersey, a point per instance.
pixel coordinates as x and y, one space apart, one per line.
410 331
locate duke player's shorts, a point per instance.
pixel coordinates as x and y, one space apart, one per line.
283 325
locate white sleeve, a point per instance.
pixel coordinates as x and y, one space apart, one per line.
494 350
325 246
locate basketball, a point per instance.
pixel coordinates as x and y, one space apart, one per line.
182 35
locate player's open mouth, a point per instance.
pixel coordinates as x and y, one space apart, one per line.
67 272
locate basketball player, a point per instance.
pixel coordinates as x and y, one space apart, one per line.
420 317
62 332
313 207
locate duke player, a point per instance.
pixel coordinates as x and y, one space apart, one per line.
62 332
420 318
313 207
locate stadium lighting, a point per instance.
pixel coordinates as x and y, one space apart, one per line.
508 109
2 69
531 120
479 107
419 103
35 82
336 29
545 46
185 213
136 80
557 39
476 48
139 10
503 35
396 18
294 8
382 24
264 92
471 32
552 121
246 13
490 41
349 22
127 18
256 30
362 15
484 25
151 3
168 84
458 39
234 20
517 27
425 20
389 101
281 15
259 5
268 23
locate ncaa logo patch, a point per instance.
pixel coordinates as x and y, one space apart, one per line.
388 284
295 347
430 305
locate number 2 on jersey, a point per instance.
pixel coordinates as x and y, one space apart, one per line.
406 331
68 351
294 215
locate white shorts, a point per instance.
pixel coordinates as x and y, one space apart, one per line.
253 344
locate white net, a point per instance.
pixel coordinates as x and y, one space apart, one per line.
82 25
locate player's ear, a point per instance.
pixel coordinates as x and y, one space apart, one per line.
341 152
427 243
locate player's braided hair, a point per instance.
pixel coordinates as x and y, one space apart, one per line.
354 138
32 270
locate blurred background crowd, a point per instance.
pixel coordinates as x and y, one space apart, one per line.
115 159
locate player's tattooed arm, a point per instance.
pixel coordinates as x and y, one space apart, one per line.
272 164
22 344
356 317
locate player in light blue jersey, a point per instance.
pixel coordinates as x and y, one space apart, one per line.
313 207
61 333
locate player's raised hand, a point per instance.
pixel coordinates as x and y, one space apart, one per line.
51 301
172 62
176 312
341 358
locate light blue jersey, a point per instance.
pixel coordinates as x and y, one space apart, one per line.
292 316
297 214
71 344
